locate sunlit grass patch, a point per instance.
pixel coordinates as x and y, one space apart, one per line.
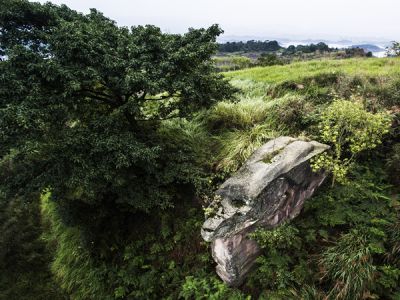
299 70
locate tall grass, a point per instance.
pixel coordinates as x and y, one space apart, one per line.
238 145
348 265
250 89
240 128
240 115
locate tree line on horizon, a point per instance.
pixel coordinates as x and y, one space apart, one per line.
271 46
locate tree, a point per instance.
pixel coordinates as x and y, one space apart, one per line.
81 101
394 49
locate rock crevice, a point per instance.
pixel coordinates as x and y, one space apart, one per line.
268 189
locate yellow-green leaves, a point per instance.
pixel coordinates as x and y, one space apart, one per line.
349 129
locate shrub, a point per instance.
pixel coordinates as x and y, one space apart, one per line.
295 112
394 49
281 248
151 262
349 130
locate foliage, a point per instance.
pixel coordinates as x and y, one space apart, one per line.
232 62
349 265
118 123
307 48
294 111
208 288
240 115
73 266
282 246
24 272
337 247
238 145
249 46
394 49
169 250
357 52
241 128
81 118
349 129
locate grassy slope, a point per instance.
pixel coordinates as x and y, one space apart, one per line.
295 71
333 210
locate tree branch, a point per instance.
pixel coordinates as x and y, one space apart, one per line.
100 96
161 98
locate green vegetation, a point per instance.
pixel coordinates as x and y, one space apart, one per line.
394 49
249 46
269 59
112 144
307 48
240 55
300 70
346 125
232 62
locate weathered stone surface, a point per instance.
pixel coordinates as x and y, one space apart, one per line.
268 189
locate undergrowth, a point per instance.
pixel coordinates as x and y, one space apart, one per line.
344 244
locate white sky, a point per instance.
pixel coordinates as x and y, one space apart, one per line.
315 19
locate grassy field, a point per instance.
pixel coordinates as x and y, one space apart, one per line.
298 70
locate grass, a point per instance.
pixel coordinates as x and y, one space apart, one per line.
240 128
72 266
299 70
238 145
287 99
240 115
349 265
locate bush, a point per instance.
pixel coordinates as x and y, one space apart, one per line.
294 112
349 130
338 246
282 249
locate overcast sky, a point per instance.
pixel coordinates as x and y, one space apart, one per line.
315 19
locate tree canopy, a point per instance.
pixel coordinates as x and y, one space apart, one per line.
249 46
81 100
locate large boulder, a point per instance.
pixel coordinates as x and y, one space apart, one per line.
268 189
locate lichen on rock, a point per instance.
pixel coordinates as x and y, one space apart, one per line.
261 193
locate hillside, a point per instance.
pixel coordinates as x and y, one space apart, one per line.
299 70
114 142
